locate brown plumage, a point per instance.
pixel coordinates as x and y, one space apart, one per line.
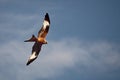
40 40
42 32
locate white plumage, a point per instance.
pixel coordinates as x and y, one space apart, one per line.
45 23
33 55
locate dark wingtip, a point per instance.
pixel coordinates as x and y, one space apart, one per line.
47 17
30 61
27 64
46 13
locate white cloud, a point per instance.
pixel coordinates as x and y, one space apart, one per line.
56 57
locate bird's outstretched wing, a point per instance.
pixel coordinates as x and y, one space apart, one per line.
35 52
45 27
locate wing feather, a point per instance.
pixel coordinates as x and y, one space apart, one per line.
35 52
45 27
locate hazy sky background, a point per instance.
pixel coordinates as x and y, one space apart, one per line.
83 41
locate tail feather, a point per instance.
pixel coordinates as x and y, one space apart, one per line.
32 39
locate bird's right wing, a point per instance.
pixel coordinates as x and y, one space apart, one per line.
45 27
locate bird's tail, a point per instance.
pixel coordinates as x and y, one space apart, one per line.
32 39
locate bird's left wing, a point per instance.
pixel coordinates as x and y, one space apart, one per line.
35 52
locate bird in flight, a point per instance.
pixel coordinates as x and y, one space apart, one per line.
39 40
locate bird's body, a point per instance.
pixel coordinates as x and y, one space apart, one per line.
40 40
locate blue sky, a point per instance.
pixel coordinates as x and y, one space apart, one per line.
83 41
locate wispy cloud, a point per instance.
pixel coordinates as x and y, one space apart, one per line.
56 57
18 20
17 25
